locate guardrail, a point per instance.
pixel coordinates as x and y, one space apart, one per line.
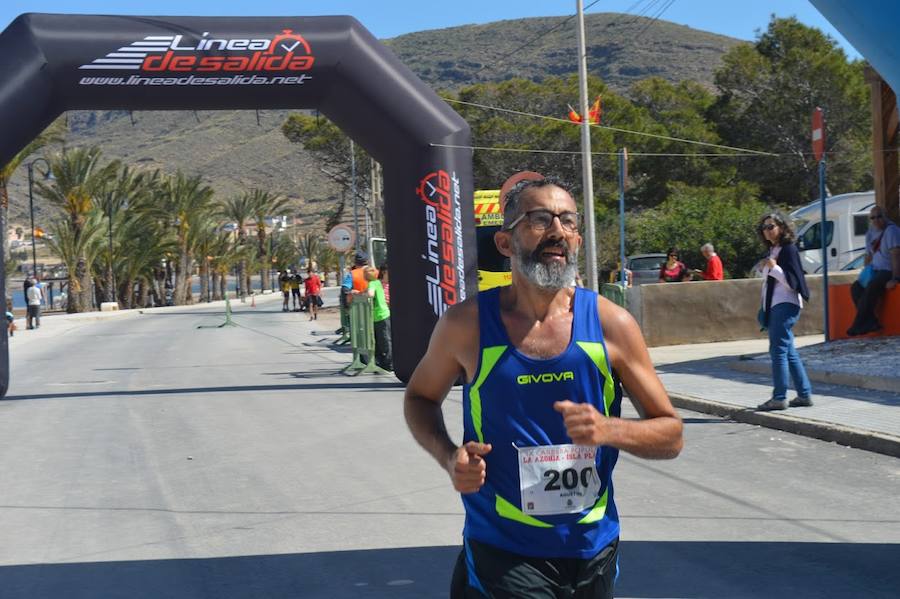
362 337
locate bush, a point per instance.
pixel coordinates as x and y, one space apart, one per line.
692 216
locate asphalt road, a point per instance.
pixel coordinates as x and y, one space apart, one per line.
146 457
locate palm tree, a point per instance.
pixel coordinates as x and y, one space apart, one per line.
206 245
79 179
141 241
311 246
51 134
129 189
264 204
75 248
189 203
238 210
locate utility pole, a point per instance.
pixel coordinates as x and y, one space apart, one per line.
590 253
353 192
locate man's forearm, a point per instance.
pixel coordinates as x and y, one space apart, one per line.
425 420
657 438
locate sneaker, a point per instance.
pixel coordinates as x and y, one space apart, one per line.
801 402
772 404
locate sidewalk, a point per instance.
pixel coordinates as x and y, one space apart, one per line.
856 387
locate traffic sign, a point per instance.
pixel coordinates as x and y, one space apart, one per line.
341 238
818 133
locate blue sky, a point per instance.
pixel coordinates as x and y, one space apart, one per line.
394 17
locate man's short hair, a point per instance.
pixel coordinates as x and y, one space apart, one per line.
514 195
707 246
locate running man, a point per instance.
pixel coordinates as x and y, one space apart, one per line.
543 363
313 290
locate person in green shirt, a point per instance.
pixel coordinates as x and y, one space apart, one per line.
381 315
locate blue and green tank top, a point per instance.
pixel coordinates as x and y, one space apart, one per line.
509 404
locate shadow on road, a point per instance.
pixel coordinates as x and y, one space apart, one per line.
647 570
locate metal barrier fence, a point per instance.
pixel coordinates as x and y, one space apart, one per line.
362 337
615 293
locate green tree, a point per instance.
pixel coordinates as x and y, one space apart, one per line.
679 111
692 216
238 210
768 91
265 204
79 178
52 134
189 203
77 248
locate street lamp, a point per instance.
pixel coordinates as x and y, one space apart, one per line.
47 175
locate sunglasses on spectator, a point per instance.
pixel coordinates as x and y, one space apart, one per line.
768 227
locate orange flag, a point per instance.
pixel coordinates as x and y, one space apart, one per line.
594 113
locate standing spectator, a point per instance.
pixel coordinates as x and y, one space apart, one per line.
34 297
357 274
296 300
385 281
381 316
284 281
714 270
313 286
10 318
783 294
883 255
616 276
673 270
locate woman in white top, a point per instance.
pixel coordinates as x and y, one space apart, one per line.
783 293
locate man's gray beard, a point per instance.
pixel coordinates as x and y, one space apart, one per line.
553 276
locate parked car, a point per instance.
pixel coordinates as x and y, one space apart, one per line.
645 267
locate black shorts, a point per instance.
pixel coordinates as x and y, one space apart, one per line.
295 292
500 574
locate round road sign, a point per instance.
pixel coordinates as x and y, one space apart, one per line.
341 238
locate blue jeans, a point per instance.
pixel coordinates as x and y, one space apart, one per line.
785 359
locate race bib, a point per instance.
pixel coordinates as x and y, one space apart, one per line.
558 479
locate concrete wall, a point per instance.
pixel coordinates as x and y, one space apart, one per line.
707 311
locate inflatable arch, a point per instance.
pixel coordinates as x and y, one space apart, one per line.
53 63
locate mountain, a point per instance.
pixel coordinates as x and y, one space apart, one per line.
235 152
621 49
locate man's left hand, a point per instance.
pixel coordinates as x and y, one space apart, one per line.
891 284
585 425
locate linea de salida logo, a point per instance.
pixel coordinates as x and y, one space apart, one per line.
545 377
445 281
287 51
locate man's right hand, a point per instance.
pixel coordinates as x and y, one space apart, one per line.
467 467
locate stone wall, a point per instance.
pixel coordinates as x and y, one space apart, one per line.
707 311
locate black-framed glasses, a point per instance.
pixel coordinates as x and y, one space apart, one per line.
876 217
541 220
768 227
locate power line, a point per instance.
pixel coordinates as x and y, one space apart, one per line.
544 151
653 20
500 60
616 129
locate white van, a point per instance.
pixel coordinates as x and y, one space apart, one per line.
846 223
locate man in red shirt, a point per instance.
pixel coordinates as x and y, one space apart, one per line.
714 270
313 286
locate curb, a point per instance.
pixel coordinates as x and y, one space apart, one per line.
824 431
875 383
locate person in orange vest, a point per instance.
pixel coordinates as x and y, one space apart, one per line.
358 278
